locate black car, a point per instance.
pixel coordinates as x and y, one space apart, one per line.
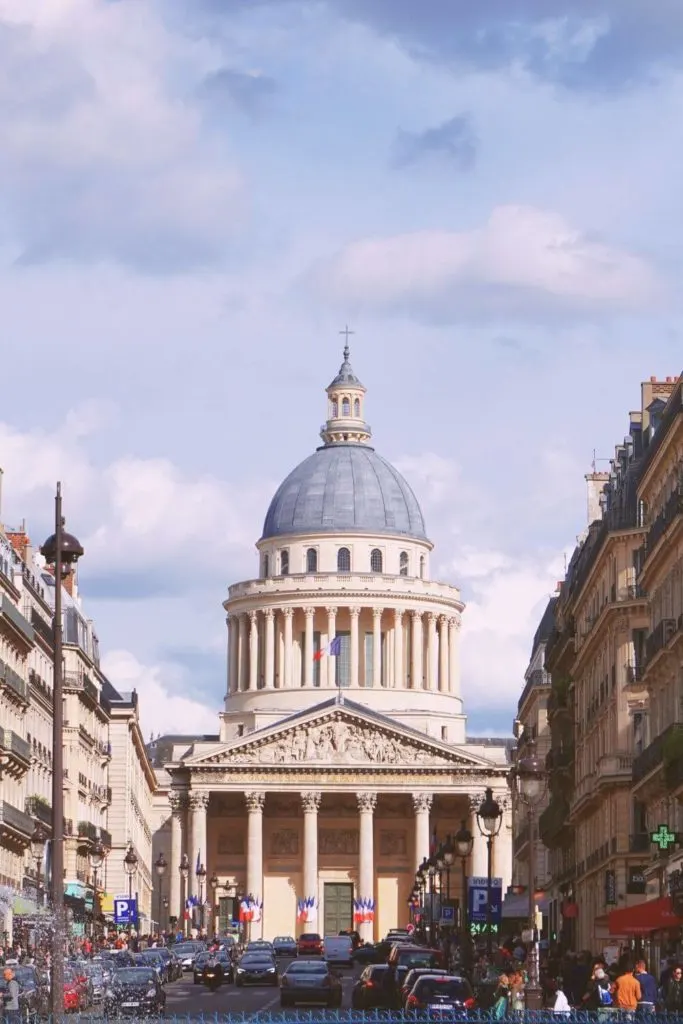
285 945
310 981
153 958
173 964
223 958
135 991
256 969
374 990
440 996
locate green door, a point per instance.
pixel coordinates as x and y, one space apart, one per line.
338 907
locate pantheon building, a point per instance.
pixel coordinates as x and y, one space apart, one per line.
342 746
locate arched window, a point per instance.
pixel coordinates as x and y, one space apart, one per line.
356 407
403 563
311 560
284 562
335 409
376 560
343 560
346 407
266 566
422 566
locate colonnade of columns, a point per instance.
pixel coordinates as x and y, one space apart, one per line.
410 649
193 829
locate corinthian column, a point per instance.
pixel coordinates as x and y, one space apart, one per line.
311 803
422 804
269 681
331 633
431 651
178 807
417 659
398 648
198 804
253 651
354 614
233 651
255 800
366 868
443 654
308 647
453 674
242 642
376 646
286 674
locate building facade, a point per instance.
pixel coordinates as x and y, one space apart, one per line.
342 743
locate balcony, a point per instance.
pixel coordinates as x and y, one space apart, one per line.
639 842
83 684
558 760
659 638
652 757
42 628
557 642
20 624
39 684
537 679
15 821
615 768
86 830
554 823
17 753
39 809
672 509
13 681
558 701
105 838
634 676
585 794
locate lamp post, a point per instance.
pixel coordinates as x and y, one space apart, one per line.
184 869
214 882
489 820
96 855
130 866
529 780
431 871
160 866
61 550
200 875
449 859
463 841
38 840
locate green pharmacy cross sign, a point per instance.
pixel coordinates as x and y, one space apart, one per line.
664 837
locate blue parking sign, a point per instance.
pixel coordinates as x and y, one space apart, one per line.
448 915
125 910
477 900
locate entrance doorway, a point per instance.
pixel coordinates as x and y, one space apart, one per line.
338 907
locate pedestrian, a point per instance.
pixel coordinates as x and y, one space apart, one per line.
11 997
648 989
673 991
627 992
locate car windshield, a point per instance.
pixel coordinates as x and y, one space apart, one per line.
431 988
186 949
256 958
284 938
134 976
307 967
417 960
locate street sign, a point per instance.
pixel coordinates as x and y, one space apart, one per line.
448 916
125 910
477 899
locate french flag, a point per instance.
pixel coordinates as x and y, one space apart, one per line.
333 649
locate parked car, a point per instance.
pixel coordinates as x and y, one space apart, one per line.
260 946
338 949
256 968
374 990
174 966
95 971
404 955
285 945
310 981
135 991
309 944
440 995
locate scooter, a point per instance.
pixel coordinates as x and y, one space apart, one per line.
213 978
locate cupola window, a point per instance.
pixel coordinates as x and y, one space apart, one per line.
403 563
284 562
335 409
266 566
422 567
356 408
346 407
311 560
343 560
376 560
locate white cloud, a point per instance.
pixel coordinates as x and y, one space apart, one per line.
524 262
160 711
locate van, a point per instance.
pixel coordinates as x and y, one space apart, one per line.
338 949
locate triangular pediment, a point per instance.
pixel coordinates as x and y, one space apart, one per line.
339 733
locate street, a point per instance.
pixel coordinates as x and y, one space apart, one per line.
184 998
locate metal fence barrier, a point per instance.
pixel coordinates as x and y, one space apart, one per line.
605 1016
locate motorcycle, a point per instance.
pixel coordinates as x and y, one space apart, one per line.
213 977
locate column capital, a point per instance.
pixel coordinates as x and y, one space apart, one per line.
309 612
475 800
431 618
332 611
199 801
310 801
354 612
454 622
268 613
377 613
287 612
398 614
367 801
253 617
178 802
255 800
422 802
443 620
416 616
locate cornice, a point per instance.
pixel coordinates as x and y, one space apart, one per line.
342 598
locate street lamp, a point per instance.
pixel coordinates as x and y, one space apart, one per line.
61 550
184 869
96 855
463 841
529 780
160 866
214 882
200 875
130 866
38 840
489 820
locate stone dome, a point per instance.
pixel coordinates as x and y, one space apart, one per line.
344 488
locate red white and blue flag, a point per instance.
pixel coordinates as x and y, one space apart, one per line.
333 649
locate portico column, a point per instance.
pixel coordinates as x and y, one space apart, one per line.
242 640
255 800
443 654
269 681
376 646
311 804
366 868
308 647
431 651
398 648
253 651
198 804
416 671
453 676
422 804
354 614
502 844
233 651
331 633
286 674
178 805
479 849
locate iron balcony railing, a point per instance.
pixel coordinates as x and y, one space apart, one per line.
42 628
653 755
16 618
83 683
105 838
436 1015
673 507
15 744
39 809
13 680
11 817
86 830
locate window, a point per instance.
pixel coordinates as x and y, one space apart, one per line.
240 730
346 407
375 560
422 566
403 563
343 560
342 663
356 407
266 566
369 651
311 560
444 733
284 562
335 409
315 672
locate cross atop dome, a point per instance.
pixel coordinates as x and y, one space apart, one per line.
346 397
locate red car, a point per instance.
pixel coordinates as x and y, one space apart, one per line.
73 994
310 944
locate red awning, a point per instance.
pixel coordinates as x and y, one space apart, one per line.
641 918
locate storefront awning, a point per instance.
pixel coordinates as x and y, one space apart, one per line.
641 918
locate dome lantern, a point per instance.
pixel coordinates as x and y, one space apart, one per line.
345 401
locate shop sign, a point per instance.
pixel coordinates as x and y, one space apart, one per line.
635 885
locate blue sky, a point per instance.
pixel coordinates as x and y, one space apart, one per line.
196 196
